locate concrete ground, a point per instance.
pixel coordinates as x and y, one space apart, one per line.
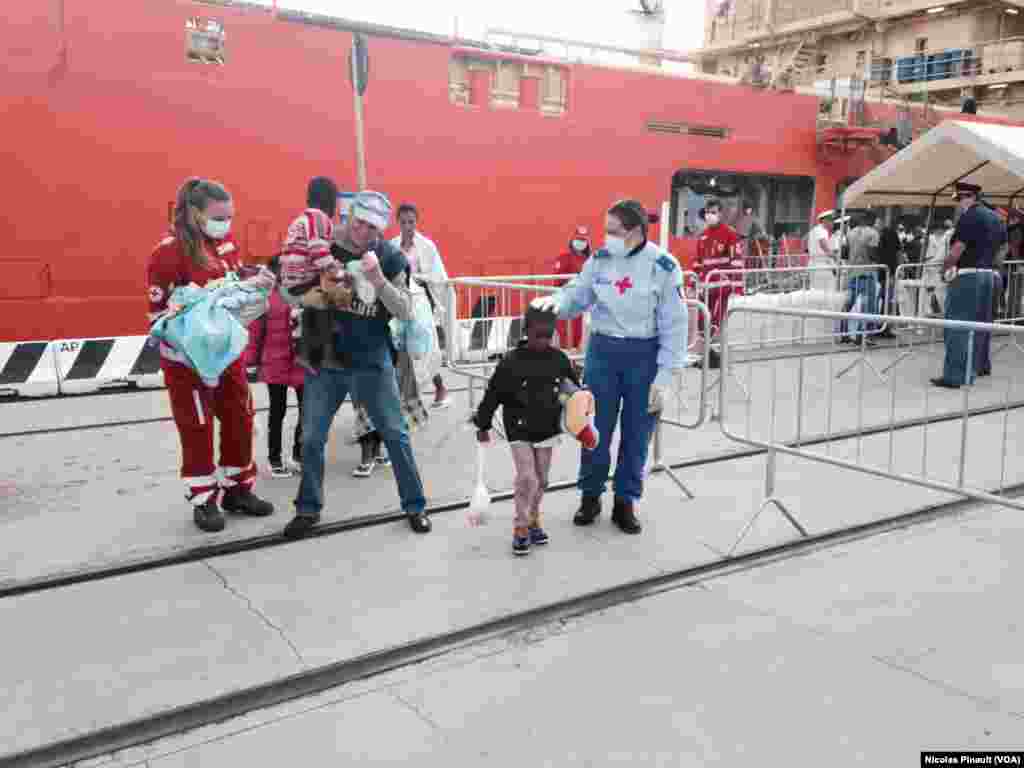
863 654
72 501
101 653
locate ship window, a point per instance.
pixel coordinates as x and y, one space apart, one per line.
204 40
782 204
505 77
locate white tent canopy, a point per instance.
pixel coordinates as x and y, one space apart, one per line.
991 156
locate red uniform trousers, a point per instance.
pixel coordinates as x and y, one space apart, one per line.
194 406
570 333
718 294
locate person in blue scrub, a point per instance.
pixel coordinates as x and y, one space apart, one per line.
634 291
978 235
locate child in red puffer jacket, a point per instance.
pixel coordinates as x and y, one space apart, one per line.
272 351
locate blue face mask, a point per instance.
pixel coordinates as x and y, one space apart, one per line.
616 246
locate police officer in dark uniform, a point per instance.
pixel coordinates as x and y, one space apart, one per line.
977 237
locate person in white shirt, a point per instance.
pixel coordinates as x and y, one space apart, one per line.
821 252
428 272
819 241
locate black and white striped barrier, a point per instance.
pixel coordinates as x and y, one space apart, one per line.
28 368
76 366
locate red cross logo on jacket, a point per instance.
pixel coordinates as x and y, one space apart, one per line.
623 285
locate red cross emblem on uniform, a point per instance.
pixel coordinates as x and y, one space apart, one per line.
623 285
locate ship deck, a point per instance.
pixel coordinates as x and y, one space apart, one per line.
881 634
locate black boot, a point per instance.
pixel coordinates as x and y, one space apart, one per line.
300 525
419 522
590 508
624 516
208 516
244 502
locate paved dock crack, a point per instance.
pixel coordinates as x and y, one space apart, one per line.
416 711
255 611
992 704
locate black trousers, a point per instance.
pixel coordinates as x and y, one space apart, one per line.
278 406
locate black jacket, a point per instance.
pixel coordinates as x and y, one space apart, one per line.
354 333
526 385
889 249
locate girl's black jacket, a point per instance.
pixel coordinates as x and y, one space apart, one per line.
526 385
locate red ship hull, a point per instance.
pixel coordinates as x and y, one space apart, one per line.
104 117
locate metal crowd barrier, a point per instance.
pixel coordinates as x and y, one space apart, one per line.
1009 304
820 287
816 287
698 349
920 290
484 320
953 437
495 324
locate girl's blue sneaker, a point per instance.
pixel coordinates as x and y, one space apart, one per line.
538 537
521 545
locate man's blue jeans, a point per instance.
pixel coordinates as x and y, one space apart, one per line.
619 371
377 387
864 287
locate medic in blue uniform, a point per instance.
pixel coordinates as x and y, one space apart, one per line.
638 319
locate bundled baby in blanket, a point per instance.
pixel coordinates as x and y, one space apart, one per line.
208 324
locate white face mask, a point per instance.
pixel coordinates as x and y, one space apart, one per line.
579 245
218 230
616 246
712 219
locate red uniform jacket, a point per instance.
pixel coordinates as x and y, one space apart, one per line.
271 347
717 249
569 262
170 267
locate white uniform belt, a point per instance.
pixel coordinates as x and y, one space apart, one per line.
620 336
972 270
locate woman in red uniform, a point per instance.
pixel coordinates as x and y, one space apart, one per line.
201 249
570 262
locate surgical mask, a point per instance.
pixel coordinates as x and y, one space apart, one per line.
616 246
218 230
579 245
712 219
364 288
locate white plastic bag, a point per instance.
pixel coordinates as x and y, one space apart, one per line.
480 503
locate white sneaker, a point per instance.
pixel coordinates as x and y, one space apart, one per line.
364 470
444 402
281 470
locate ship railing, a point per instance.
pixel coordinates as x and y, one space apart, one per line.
996 61
953 441
484 320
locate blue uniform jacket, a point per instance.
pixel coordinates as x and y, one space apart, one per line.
981 231
639 296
